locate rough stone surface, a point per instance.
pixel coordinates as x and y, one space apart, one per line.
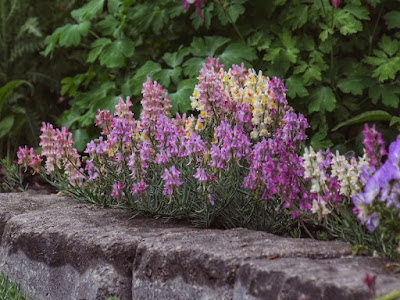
58 248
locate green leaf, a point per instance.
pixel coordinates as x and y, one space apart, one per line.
347 23
392 19
81 138
373 115
113 55
387 70
6 125
295 87
108 25
353 85
236 53
389 46
164 76
8 89
148 69
97 47
319 141
192 66
160 19
207 46
388 94
89 11
359 11
175 59
322 99
180 100
70 34
394 120
113 6
297 16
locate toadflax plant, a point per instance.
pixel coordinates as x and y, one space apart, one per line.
235 163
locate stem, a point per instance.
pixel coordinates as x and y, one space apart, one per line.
371 38
323 7
332 62
94 34
219 2
391 296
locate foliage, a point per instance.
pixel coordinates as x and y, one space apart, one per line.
10 290
12 178
28 82
317 50
237 163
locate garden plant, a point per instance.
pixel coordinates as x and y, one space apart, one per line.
340 60
241 162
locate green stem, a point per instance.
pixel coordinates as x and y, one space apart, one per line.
323 7
219 2
371 38
391 296
332 61
94 34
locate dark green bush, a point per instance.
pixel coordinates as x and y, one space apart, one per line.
29 83
336 63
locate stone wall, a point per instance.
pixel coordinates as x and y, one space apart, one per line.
59 249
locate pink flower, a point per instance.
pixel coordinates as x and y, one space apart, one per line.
335 3
200 175
197 3
27 157
117 190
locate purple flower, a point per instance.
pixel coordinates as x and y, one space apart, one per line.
197 3
200 175
335 3
117 190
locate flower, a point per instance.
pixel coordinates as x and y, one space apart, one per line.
335 3
197 3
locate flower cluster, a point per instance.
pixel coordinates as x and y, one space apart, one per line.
242 149
331 178
382 188
57 148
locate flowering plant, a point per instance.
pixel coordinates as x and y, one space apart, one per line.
237 163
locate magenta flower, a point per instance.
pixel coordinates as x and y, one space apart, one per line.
200 175
117 190
172 180
27 157
197 3
335 3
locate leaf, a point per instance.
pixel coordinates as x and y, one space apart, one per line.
114 54
81 138
388 94
295 87
97 46
319 141
8 89
347 23
297 16
6 125
113 6
108 25
148 69
373 115
31 26
192 66
180 100
389 46
237 52
359 11
394 120
70 34
89 11
160 19
176 58
353 85
392 19
322 99
164 76
207 46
